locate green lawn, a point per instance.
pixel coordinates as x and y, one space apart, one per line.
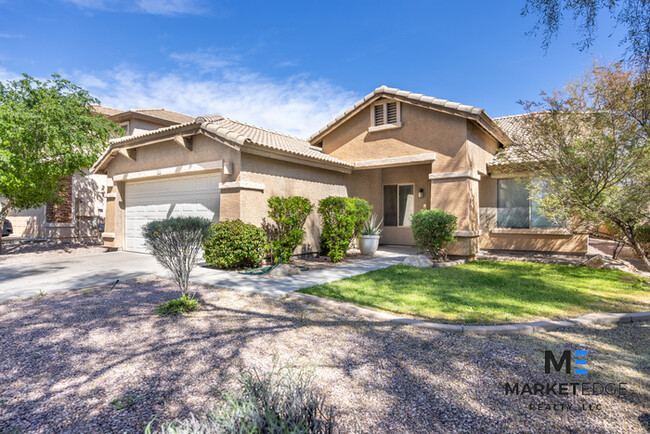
492 292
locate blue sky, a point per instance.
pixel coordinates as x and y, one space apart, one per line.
290 66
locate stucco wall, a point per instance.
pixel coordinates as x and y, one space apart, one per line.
286 179
423 131
28 223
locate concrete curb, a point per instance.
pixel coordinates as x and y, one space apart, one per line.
506 329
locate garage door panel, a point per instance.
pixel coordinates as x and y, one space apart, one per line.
188 196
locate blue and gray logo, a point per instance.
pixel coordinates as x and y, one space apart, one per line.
565 362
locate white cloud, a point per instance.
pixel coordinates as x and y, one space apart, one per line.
10 36
156 7
296 105
207 60
6 75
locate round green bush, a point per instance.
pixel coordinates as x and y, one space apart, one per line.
234 244
433 230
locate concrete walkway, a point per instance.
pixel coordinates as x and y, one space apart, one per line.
285 285
29 279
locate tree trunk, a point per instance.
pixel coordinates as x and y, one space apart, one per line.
637 248
641 254
3 216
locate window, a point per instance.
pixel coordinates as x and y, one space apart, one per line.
398 204
387 113
125 127
516 209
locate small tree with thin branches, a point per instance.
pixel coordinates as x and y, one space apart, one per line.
588 147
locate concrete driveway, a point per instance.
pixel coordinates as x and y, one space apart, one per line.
50 275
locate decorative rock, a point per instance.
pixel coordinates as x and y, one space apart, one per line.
283 270
607 263
419 261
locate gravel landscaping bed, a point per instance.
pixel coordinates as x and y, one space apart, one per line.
65 357
21 251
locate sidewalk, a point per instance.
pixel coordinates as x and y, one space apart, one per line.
276 287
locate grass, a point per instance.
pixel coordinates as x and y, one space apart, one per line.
177 306
127 401
492 292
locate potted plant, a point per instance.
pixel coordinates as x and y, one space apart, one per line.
369 240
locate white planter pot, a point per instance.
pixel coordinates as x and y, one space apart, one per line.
368 244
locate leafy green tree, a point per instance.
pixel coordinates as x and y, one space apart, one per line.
588 146
633 15
47 132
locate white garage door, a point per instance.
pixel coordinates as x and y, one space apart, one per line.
189 196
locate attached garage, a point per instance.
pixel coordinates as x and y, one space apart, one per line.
156 199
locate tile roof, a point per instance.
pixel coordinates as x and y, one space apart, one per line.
514 127
242 133
444 105
106 111
163 114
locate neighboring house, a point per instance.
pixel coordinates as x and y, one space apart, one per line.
400 151
80 216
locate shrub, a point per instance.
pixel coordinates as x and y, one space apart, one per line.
176 244
176 306
433 230
279 401
289 215
343 219
234 244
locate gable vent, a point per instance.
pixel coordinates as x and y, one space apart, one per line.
379 114
391 113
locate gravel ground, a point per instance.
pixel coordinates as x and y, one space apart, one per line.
64 357
14 252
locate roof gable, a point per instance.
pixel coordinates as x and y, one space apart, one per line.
475 114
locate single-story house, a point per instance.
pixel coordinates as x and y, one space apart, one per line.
80 216
400 151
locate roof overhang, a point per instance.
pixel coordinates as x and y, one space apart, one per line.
117 146
130 115
475 114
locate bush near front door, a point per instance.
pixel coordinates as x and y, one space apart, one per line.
433 230
343 218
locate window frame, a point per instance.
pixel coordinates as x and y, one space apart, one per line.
383 204
386 125
530 210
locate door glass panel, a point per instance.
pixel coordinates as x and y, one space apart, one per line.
390 205
405 204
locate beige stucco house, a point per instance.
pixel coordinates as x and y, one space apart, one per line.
80 216
399 150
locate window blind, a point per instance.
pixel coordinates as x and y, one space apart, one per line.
512 204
